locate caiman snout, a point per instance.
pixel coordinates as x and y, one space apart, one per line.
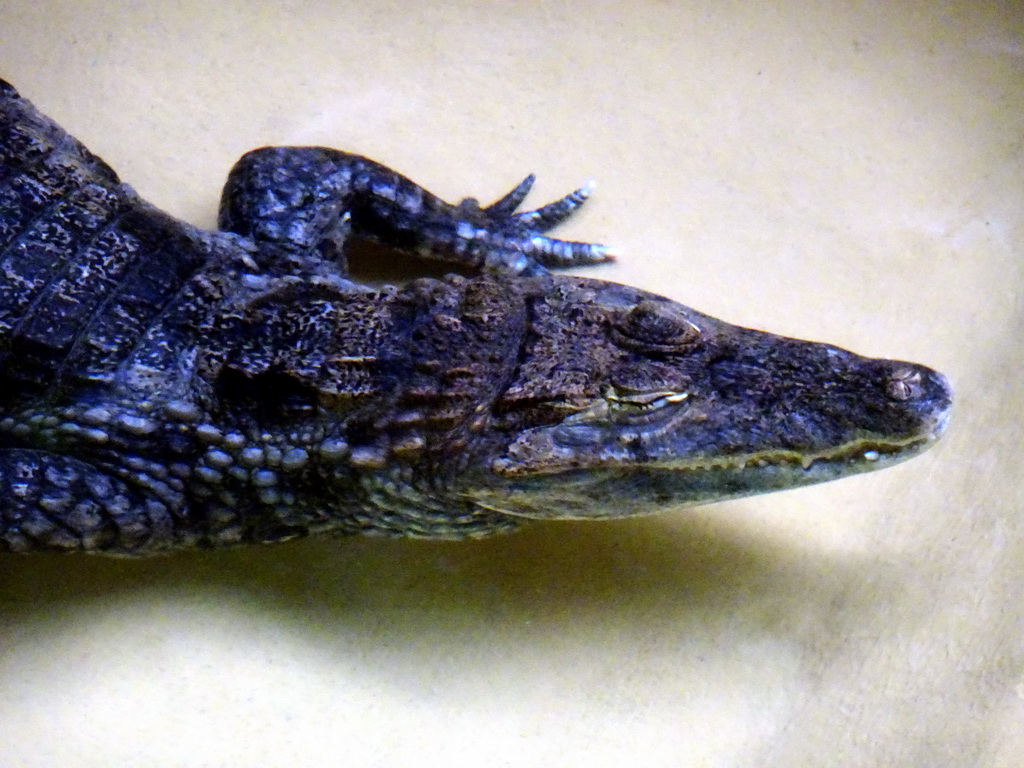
927 392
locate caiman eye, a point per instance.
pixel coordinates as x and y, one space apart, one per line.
640 402
654 326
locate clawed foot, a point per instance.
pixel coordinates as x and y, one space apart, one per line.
508 241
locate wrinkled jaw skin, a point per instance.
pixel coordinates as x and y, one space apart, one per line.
686 409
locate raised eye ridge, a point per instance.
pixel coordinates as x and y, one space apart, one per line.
654 326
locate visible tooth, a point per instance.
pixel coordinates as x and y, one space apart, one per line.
807 461
871 455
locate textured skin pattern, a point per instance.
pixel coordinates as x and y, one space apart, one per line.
165 386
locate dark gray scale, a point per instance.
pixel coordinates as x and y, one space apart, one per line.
301 348
160 259
43 248
85 266
463 345
18 145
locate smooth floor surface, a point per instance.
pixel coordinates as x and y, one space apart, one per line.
850 172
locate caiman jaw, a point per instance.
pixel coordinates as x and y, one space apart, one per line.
615 426
630 453
857 456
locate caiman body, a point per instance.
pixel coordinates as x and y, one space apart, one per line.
166 386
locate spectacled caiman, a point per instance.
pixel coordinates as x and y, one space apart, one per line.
166 386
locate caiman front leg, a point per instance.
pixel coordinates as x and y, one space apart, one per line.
301 204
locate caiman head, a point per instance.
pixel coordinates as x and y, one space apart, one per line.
622 402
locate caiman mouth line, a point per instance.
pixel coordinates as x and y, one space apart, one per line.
621 488
856 453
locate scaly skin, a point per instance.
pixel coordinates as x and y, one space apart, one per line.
165 386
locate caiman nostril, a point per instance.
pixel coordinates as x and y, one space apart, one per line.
904 384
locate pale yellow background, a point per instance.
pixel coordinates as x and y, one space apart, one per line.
833 170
